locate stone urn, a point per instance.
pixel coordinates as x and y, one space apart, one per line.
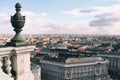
17 22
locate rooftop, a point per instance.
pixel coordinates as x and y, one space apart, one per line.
86 59
73 60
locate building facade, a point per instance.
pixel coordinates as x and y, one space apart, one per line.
91 68
114 64
36 70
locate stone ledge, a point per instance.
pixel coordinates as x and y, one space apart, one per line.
5 51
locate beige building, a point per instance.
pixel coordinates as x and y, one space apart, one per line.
90 68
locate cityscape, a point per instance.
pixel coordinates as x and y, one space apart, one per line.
46 46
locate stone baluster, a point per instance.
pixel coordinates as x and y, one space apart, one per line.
0 66
8 66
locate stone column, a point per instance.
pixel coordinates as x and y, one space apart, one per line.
1 66
8 66
21 63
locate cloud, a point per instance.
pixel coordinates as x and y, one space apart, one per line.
44 25
29 13
104 15
110 0
88 10
32 14
34 22
104 19
44 14
104 22
107 10
80 12
4 23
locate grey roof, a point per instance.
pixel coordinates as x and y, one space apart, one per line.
86 59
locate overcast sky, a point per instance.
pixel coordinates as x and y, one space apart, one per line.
63 16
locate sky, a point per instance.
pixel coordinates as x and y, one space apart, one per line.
63 16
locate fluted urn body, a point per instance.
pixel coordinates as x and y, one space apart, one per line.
17 22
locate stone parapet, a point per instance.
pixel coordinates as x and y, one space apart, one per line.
15 62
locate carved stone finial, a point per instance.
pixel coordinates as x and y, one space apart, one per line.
18 6
17 21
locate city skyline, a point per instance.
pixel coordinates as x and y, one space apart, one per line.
64 16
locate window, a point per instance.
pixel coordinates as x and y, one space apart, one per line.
68 75
116 65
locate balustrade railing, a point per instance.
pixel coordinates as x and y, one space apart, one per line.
15 63
5 65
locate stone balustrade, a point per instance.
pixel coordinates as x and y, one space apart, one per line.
15 63
5 64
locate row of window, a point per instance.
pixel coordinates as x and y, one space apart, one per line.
85 69
113 65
